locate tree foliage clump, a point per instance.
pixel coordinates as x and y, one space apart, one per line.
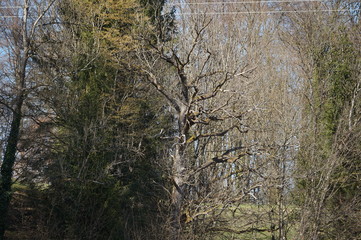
329 156
104 176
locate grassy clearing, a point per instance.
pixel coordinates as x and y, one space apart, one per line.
249 222
19 187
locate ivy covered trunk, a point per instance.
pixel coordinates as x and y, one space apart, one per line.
22 53
7 167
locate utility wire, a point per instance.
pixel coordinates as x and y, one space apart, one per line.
266 12
241 12
249 12
244 2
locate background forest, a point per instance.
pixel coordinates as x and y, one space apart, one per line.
180 119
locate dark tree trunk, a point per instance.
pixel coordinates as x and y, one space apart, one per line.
22 53
7 166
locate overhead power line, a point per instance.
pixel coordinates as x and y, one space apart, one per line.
248 12
3 7
244 2
266 12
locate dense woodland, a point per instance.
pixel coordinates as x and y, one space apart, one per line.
180 119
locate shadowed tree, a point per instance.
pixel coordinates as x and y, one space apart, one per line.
20 37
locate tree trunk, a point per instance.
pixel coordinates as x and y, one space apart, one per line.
22 52
179 176
7 166
177 193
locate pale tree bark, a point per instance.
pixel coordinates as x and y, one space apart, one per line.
186 92
258 170
208 75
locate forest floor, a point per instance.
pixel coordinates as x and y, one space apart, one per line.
25 220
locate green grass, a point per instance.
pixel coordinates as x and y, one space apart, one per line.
246 217
19 187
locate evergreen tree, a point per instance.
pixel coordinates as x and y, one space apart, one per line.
104 176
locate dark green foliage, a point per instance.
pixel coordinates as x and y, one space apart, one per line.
103 165
153 8
334 81
162 20
104 180
330 156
